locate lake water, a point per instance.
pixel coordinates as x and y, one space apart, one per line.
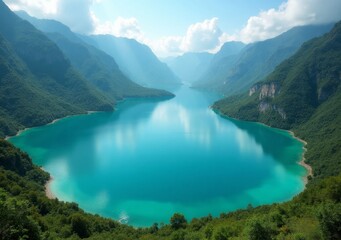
150 159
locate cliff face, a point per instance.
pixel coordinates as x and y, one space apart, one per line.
299 86
265 92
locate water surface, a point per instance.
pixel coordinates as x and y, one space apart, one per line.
150 159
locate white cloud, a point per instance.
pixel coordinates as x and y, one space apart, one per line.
74 13
122 27
199 37
37 8
292 13
202 36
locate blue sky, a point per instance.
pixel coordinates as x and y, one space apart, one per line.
172 17
174 27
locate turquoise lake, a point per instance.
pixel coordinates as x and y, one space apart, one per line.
150 159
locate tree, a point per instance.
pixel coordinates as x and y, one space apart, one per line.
177 221
257 232
80 225
14 223
330 220
222 233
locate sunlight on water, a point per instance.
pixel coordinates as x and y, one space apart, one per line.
150 159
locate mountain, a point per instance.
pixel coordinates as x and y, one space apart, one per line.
38 83
302 94
221 62
96 66
255 61
22 101
189 66
136 60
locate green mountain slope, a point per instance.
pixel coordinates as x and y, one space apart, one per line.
235 75
37 83
96 66
22 102
136 60
50 67
190 66
302 94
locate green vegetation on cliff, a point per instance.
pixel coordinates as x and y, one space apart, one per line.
303 94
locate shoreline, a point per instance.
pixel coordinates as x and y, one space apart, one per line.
302 162
48 191
52 122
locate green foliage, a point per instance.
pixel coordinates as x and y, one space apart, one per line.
222 233
256 231
14 220
178 221
80 225
330 220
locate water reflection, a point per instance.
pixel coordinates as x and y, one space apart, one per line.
151 158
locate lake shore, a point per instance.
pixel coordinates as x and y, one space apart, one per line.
48 191
302 162
52 122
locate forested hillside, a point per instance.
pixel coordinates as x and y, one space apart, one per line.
302 94
38 84
235 74
97 67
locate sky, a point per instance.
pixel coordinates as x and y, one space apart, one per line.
174 27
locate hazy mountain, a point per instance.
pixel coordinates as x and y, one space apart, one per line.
95 65
255 61
221 62
304 94
38 84
189 66
136 60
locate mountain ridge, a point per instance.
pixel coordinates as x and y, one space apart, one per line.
98 67
258 59
136 60
301 90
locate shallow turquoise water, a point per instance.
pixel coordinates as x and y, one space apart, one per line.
150 159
